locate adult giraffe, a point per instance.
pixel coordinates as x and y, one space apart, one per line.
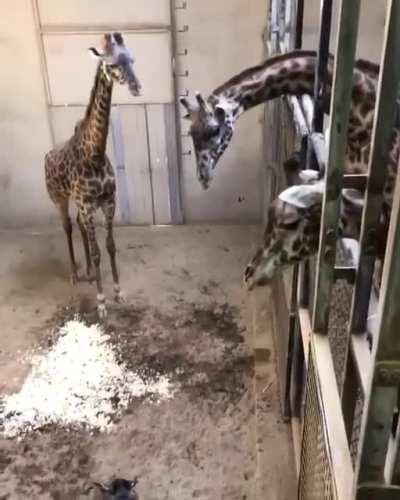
80 170
212 119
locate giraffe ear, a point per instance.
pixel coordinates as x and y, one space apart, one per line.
188 106
303 196
101 487
133 483
95 53
309 176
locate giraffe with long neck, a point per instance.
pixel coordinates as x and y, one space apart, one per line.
80 169
293 228
212 119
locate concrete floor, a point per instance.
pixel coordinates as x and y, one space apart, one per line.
222 439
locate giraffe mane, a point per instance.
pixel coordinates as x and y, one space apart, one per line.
368 67
261 67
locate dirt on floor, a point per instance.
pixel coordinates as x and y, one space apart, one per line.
191 326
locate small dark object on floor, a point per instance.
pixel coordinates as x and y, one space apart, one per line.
118 489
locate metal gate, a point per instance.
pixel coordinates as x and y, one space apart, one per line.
341 394
142 141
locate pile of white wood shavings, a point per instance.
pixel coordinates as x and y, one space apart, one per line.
77 383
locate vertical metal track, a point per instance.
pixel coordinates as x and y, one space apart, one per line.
176 173
322 64
385 107
340 109
298 43
385 116
384 378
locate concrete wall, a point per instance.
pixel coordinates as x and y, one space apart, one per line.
24 127
371 27
224 37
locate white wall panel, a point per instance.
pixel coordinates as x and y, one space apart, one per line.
104 12
71 68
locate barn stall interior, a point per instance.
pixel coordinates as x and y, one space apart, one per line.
166 387
162 366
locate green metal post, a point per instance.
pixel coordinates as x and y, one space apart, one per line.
381 136
385 374
340 109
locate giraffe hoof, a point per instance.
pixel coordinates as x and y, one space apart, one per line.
74 278
119 298
102 312
118 295
90 276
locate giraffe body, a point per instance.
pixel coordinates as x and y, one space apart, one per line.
79 170
118 489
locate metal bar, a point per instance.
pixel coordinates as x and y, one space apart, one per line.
275 25
362 357
153 211
322 63
349 396
340 109
370 492
298 117
304 288
393 457
347 273
355 181
178 217
305 331
299 24
385 116
335 432
308 107
384 378
319 148
292 328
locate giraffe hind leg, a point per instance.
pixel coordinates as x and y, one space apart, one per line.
88 221
67 225
89 266
109 211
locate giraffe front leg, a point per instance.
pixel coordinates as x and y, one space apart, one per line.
89 267
88 221
109 210
67 225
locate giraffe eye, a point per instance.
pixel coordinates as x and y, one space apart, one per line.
212 132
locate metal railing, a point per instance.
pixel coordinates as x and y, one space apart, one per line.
347 407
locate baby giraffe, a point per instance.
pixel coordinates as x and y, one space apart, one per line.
118 489
80 170
292 232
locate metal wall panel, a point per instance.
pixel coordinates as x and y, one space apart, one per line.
104 12
70 67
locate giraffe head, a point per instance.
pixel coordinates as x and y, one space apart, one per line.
292 232
118 489
211 130
117 61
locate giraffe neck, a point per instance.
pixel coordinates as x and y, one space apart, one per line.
293 73
94 129
287 74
